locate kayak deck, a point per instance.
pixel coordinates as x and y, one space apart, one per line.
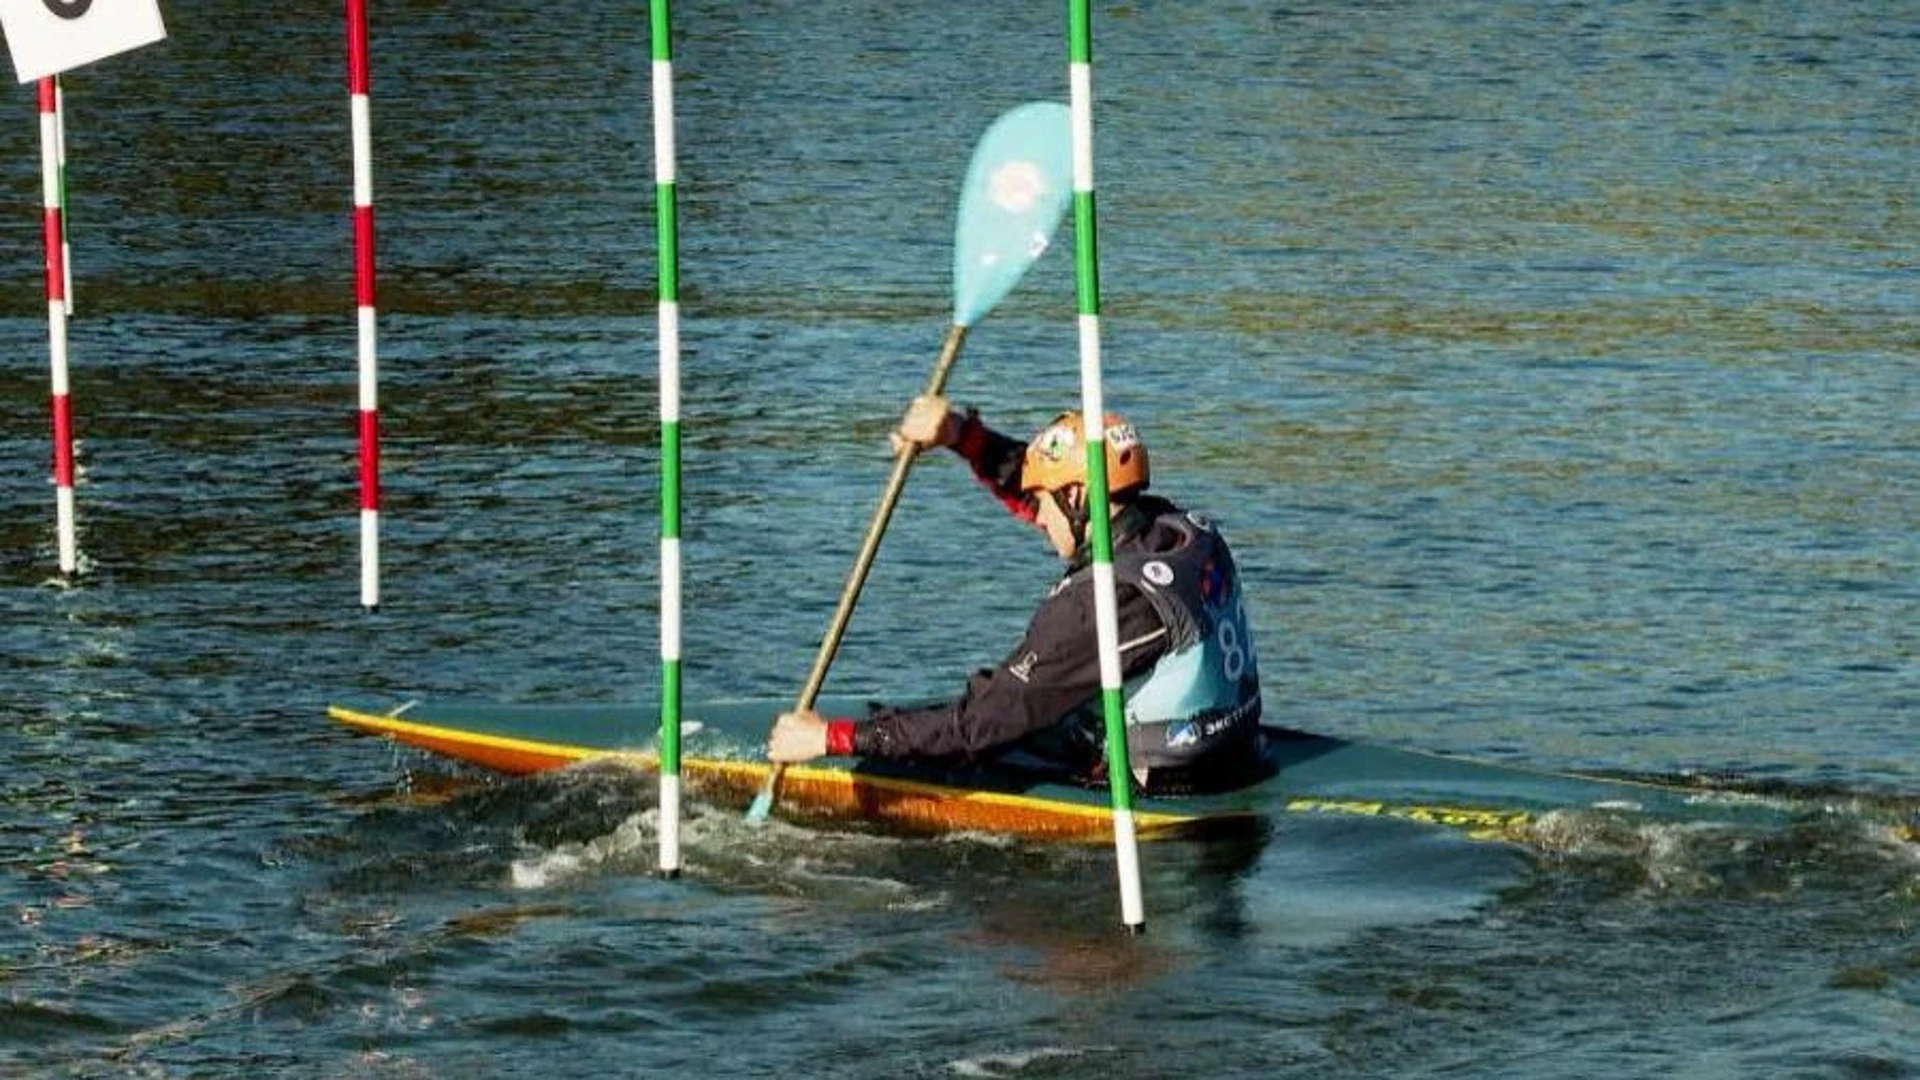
518 740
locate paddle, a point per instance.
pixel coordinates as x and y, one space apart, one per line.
1015 193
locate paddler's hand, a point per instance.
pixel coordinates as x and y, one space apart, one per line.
797 736
929 422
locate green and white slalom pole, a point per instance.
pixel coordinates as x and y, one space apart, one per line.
666 228
1086 273
66 218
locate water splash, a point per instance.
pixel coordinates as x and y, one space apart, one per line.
1822 851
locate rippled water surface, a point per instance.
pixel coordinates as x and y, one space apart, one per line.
1554 368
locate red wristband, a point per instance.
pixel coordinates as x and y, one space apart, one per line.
839 738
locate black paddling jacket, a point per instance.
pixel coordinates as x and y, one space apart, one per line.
1046 691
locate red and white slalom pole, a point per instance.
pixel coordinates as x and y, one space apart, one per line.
358 82
55 233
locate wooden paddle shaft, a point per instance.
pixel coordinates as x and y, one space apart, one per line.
902 462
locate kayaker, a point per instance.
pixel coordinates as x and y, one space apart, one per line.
1192 687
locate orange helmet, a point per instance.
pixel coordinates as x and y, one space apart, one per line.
1057 457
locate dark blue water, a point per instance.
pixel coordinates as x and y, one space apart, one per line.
1554 368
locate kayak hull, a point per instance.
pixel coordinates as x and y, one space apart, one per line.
1300 773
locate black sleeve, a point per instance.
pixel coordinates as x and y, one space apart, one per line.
1054 669
997 462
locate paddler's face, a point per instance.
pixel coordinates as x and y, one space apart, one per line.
1050 519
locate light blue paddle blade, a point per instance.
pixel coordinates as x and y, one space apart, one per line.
1018 187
